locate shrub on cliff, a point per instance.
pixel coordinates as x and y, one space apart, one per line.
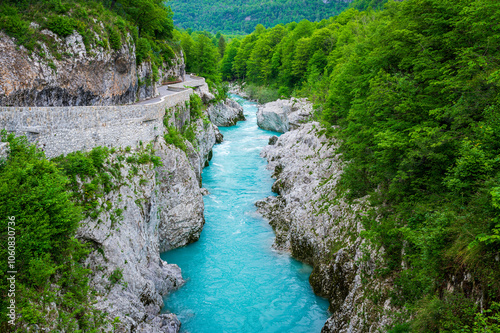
173 137
12 23
195 105
142 50
115 39
61 25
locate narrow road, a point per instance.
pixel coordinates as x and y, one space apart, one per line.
164 91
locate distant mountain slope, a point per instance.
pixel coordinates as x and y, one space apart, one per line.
231 16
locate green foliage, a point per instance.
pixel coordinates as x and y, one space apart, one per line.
221 44
173 137
485 321
61 25
115 39
219 89
242 17
142 50
152 17
366 4
262 94
189 134
33 190
226 67
12 23
200 54
116 276
447 314
195 105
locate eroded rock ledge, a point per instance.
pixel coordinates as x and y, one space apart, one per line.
318 228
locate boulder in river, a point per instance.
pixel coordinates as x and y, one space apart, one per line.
283 115
225 113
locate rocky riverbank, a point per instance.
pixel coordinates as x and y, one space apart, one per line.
225 113
317 227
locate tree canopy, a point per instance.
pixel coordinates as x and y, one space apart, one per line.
242 17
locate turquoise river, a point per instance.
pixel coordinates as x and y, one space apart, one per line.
236 282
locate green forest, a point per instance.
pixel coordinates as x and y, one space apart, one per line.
241 17
412 92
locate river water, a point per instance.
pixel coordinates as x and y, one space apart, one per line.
235 281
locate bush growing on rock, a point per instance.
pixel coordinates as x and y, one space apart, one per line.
61 25
12 23
115 39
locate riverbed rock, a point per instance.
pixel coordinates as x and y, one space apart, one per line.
283 115
98 76
225 113
218 135
317 227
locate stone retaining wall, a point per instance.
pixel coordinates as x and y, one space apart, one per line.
62 130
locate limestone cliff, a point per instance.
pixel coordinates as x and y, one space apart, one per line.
128 274
317 227
73 76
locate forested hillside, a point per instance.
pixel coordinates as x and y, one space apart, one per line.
413 92
230 16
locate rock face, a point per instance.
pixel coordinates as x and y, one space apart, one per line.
320 229
180 201
226 113
283 115
129 276
78 77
